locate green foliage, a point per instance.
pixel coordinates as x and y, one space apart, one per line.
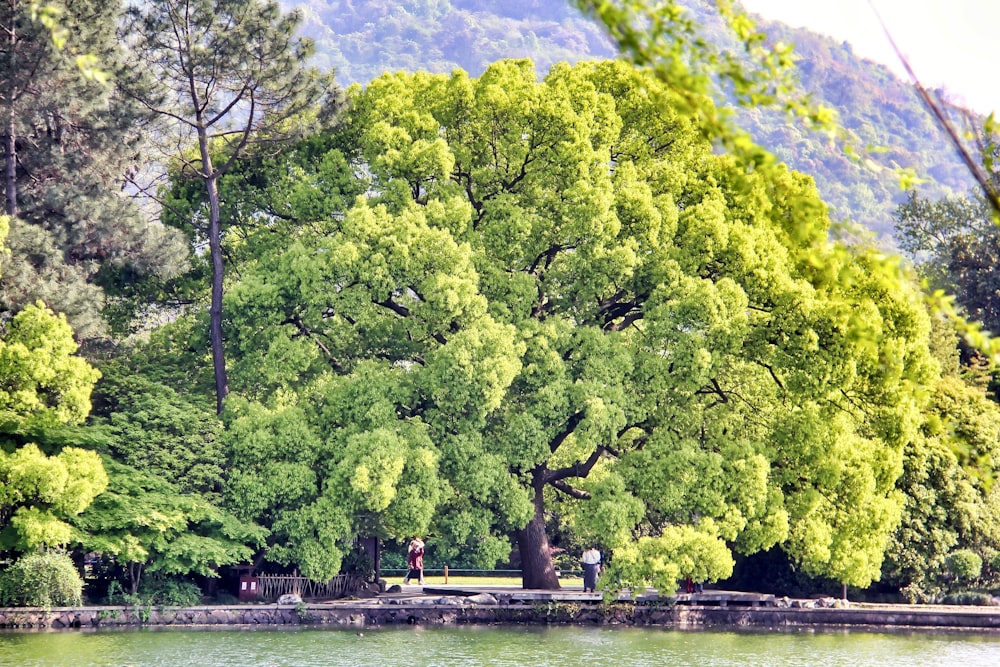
948 485
672 339
153 428
43 579
72 140
964 565
45 383
880 115
39 493
681 552
168 591
144 522
222 76
956 246
45 386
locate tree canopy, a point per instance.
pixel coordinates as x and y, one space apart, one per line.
44 385
558 287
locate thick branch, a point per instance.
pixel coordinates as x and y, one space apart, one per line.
716 389
296 320
403 311
574 492
571 425
579 469
397 308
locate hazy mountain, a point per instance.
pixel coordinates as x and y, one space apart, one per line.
363 38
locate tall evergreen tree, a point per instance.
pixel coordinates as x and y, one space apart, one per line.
223 75
67 143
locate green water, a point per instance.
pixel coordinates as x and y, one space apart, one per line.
410 647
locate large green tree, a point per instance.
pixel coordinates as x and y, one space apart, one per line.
222 76
949 483
558 287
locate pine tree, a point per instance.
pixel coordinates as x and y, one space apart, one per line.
68 141
222 75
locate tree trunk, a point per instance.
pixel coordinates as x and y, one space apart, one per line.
10 145
215 249
134 574
10 172
533 543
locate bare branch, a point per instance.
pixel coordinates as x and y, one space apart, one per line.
938 112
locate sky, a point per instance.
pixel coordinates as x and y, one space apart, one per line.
951 44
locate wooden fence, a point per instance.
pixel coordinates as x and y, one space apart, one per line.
272 586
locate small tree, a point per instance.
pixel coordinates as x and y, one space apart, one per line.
43 385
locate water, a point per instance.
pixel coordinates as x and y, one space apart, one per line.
493 646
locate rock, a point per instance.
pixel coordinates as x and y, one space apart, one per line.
395 588
290 598
481 598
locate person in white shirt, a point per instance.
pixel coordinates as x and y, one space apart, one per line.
591 567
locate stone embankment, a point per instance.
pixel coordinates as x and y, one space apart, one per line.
486 608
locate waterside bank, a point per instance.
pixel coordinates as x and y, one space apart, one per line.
514 606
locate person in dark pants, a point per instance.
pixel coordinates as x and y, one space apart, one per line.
415 561
591 568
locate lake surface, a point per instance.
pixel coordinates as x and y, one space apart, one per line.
500 646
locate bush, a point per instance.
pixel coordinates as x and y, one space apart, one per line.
226 598
169 592
965 565
969 598
392 560
46 579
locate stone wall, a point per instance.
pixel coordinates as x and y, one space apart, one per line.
363 614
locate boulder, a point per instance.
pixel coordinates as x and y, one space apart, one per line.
290 598
481 598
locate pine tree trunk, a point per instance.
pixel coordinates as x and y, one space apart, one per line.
536 558
10 145
215 249
10 171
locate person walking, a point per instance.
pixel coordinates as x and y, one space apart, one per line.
591 567
415 561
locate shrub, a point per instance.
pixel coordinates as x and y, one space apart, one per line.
965 565
974 598
169 592
392 560
46 579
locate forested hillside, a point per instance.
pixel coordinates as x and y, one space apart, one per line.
363 39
